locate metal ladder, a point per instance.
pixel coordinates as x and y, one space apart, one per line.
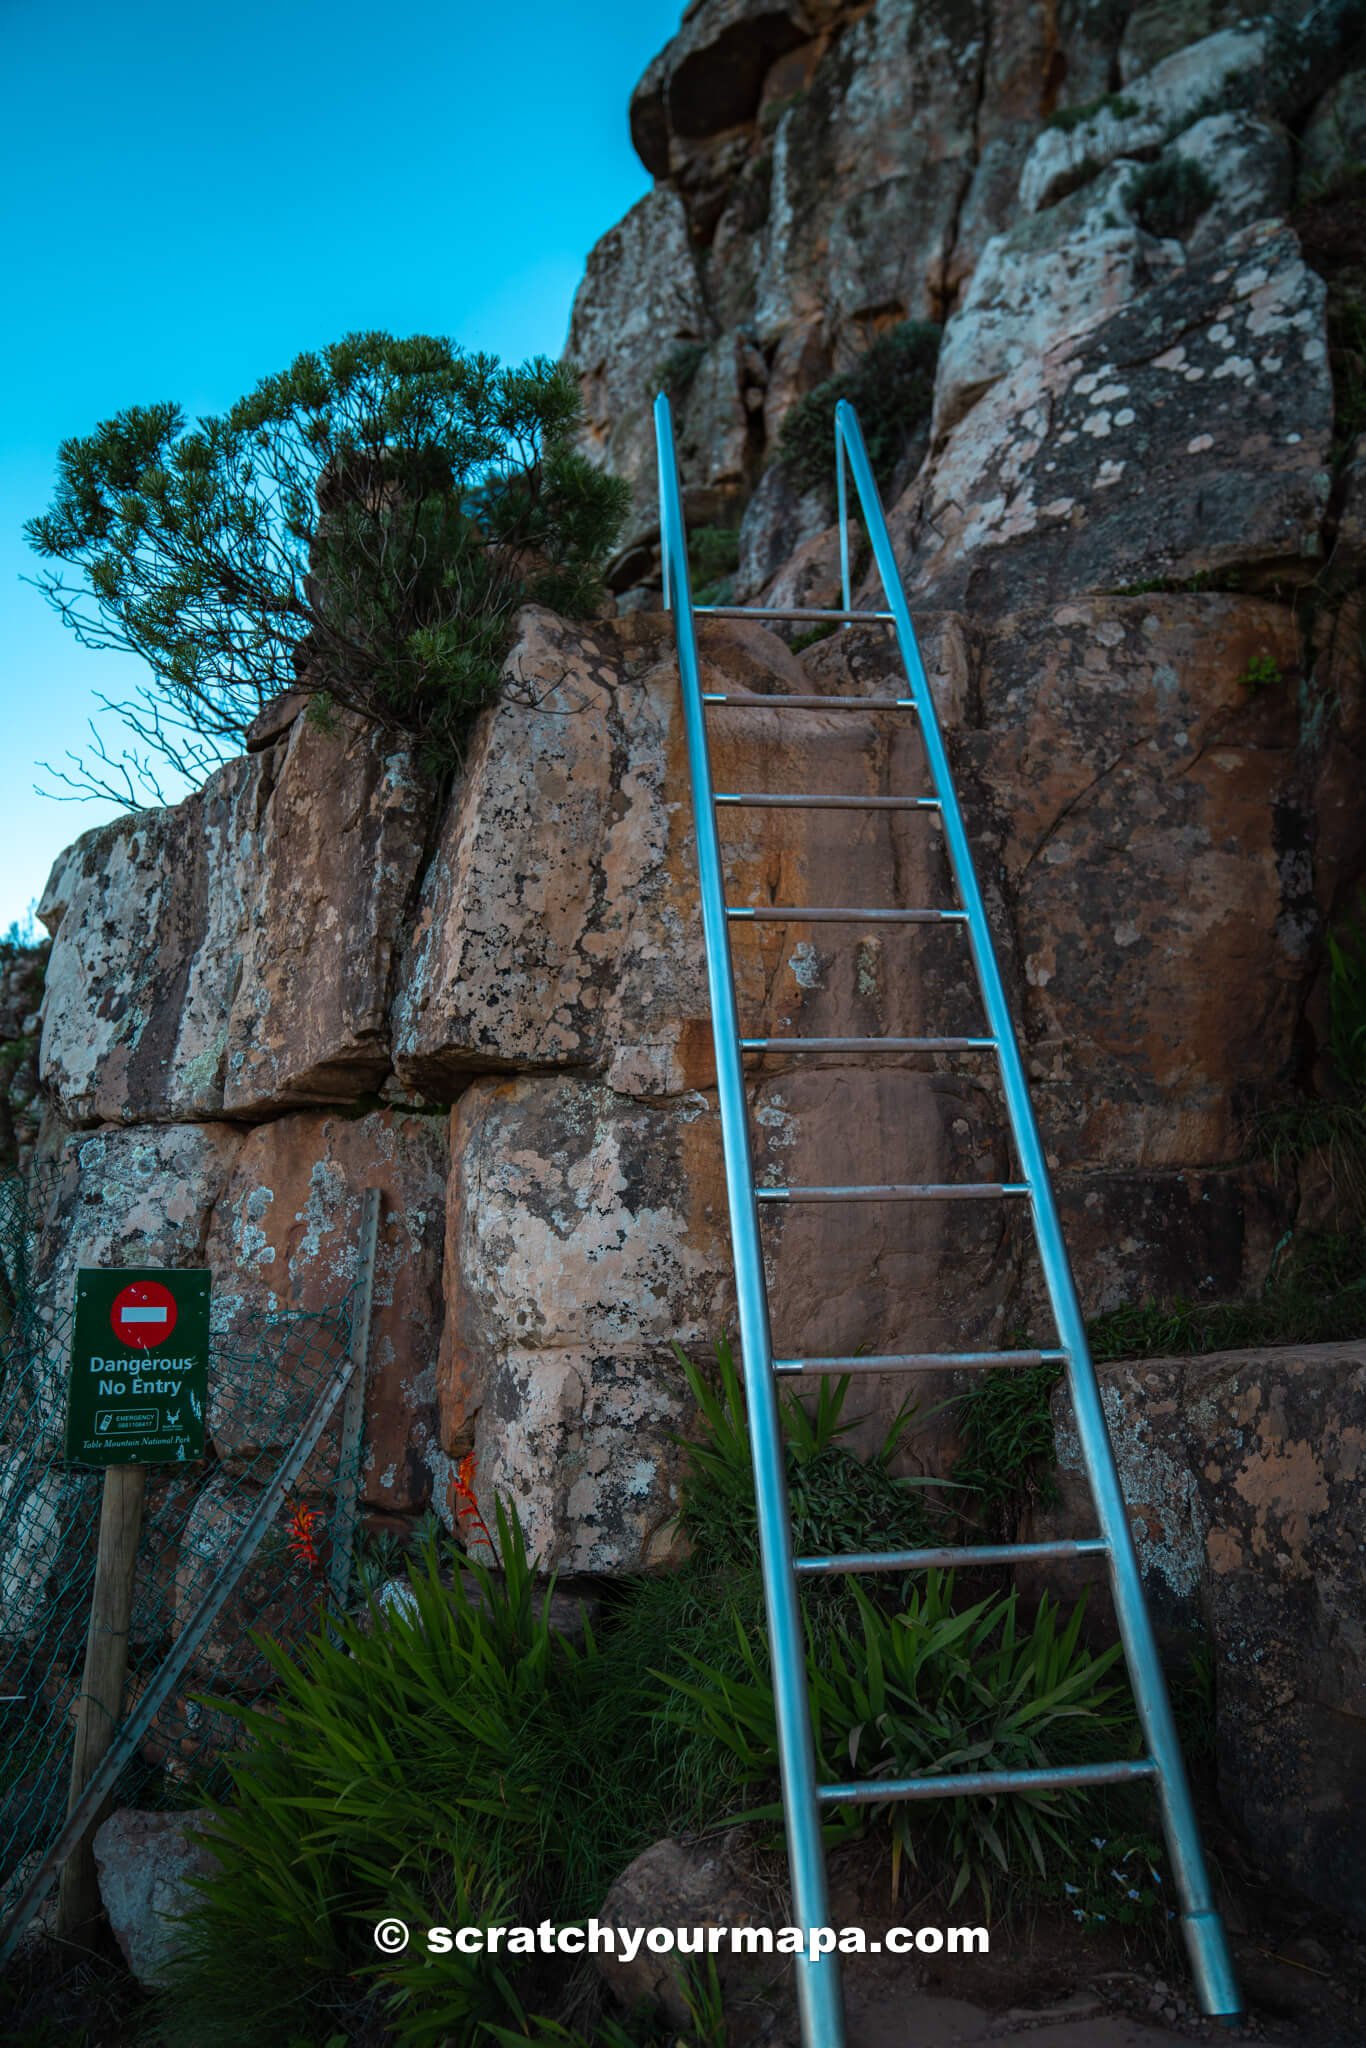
818 1984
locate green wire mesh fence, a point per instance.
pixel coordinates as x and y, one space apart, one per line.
265 1375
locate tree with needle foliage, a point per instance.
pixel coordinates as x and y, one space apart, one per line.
363 526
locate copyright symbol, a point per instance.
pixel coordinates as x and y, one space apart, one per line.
391 1937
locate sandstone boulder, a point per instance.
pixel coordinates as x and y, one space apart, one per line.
147 1863
584 1236
640 298
1141 118
1188 434
1057 274
1249 163
138 988
232 953
284 1239
1136 793
1157 29
558 924
677 1884
1242 1475
341 841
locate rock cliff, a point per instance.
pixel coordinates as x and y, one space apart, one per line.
1132 523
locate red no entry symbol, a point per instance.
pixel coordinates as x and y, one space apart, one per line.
143 1315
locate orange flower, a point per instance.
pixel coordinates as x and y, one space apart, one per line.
302 1537
466 1506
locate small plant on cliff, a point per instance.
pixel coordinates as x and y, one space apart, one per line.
363 525
1168 197
713 558
892 389
1117 103
1263 672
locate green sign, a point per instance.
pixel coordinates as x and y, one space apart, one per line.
139 1367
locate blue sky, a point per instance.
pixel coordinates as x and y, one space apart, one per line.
190 196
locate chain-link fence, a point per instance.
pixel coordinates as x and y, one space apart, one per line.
266 1378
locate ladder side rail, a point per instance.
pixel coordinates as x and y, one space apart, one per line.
818 1984
1210 1960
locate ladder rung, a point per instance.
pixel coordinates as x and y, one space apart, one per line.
950 1555
920 1361
755 702
829 803
764 611
945 1191
800 913
961 1784
867 1044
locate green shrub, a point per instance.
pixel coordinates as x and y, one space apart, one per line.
675 373
811 638
363 525
1263 672
454 1763
1168 197
837 1501
892 389
1117 103
713 558
928 1689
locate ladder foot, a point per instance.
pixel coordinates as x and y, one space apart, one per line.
1212 1966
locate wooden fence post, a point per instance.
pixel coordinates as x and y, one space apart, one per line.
106 1662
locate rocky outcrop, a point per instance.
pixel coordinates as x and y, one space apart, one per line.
826 172
321 973
823 170
1188 435
283 1240
1146 114
1242 1473
584 1236
1144 811
232 954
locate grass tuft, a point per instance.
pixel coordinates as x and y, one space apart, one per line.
1168 197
